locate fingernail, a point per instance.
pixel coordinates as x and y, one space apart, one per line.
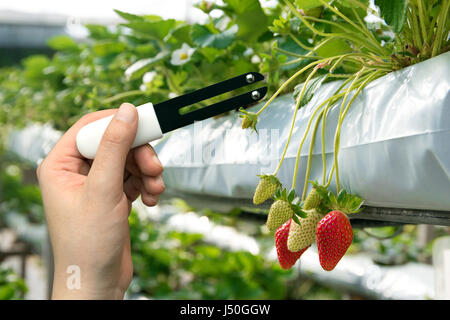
151 200
126 113
157 161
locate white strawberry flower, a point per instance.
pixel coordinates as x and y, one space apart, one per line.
182 55
148 77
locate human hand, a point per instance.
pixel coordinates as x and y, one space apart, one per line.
87 204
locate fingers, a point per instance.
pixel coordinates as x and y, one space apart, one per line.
64 155
149 199
153 185
107 171
66 146
148 187
145 169
147 161
132 187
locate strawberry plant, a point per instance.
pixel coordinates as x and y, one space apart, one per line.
323 41
12 287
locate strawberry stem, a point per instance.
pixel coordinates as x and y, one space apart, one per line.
338 129
362 29
324 161
306 133
311 148
297 105
342 113
440 30
285 84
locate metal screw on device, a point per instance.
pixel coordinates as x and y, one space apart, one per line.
256 95
250 78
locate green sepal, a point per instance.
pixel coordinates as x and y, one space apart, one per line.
298 211
277 194
344 201
291 196
284 194
273 179
332 198
295 218
323 192
348 203
249 119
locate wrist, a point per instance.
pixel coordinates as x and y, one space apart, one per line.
64 293
71 284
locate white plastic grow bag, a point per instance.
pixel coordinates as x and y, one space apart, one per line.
395 144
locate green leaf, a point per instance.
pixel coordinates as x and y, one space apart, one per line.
208 251
182 34
203 37
350 4
312 87
34 66
334 48
6 292
62 43
178 78
280 26
99 32
393 12
138 68
211 54
129 16
307 4
206 6
105 48
250 18
287 44
349 9
152 29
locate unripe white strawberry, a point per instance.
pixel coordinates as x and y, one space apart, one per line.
312 200
266 188
304 234
280 212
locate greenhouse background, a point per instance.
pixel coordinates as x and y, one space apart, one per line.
203 240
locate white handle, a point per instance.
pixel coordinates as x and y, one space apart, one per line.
89 137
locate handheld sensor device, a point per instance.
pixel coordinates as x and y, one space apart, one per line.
155 120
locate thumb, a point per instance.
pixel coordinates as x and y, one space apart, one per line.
106 174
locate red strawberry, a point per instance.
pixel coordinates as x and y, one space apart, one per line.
334 235
286 258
